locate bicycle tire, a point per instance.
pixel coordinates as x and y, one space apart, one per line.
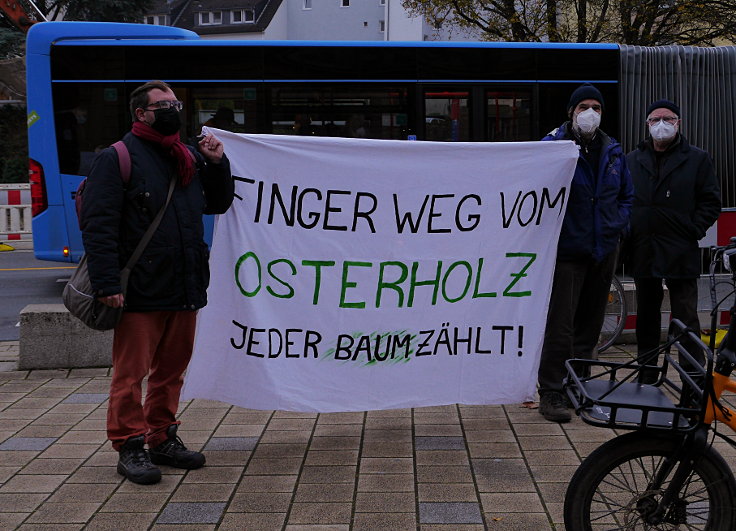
608 491
614 319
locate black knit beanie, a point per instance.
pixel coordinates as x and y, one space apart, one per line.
663 104
584 92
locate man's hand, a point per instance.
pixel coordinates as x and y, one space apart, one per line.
115 301
211 147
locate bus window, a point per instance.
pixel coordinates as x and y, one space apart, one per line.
87 117
232 109
365 112
509 116
447 116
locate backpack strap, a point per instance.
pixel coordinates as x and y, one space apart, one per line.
123 160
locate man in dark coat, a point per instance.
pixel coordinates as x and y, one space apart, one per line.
598 210
168 283
677 197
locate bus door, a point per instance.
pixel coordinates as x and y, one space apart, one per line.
88 117
479 113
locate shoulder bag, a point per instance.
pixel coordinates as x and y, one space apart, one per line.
80 299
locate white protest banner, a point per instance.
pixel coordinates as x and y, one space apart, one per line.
352 275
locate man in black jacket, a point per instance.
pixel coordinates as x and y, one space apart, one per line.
167 285
677 197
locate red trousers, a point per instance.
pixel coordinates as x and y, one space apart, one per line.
154 344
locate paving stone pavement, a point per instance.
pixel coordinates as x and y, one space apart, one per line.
446 468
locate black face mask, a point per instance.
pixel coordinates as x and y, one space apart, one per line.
167 121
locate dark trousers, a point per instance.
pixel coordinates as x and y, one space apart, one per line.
683 302
154 344
576 311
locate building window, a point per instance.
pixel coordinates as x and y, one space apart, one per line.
344 3
242 16
307 4
382 26
208 18
382 2
159 20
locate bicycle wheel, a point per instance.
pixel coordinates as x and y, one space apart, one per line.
614 319
609 490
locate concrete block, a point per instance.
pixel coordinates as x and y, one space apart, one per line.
50 338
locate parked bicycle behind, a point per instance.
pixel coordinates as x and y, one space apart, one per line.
614 318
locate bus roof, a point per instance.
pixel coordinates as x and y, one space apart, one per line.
43 35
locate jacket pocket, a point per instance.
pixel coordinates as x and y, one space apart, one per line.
154 277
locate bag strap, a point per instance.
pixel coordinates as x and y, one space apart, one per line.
125 273
123 160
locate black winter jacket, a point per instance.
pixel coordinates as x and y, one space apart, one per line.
672 210
173 272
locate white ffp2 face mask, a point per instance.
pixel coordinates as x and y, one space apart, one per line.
662 131
588 121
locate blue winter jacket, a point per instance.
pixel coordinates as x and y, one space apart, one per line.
598 208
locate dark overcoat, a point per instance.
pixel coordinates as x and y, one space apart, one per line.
673 207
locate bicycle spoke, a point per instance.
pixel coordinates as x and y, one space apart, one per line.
617 498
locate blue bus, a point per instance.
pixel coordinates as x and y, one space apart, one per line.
80 76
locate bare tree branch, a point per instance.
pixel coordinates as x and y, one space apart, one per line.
642 22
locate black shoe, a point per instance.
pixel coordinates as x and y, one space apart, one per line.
172 452
553 407
135 464
648 375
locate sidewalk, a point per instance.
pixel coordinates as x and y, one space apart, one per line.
451 467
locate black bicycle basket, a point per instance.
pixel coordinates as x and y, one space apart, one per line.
612 395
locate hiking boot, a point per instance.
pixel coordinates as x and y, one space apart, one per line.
135 464
172 452
553 407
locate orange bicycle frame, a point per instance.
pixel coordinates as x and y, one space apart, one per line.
720 413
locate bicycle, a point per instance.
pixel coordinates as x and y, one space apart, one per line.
664 473
615 316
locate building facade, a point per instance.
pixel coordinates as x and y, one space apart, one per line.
325 20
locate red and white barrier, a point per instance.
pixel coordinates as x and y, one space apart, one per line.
15 212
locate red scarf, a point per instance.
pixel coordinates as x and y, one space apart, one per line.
175 147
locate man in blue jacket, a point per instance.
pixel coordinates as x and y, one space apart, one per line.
597 212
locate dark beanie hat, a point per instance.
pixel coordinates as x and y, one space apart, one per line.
586 91
663 104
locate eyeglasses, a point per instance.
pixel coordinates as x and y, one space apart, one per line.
672 120
165 104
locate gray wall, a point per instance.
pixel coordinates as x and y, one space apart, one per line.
328 21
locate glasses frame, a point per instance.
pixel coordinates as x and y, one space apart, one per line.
165 104
672 120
